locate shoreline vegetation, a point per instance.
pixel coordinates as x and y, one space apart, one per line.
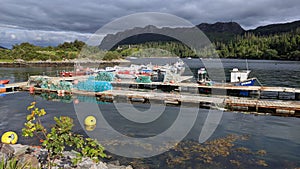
281 46
277 46
65 63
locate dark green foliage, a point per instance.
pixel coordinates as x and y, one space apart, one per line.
284 46
251 46
111 55
30 52
174 48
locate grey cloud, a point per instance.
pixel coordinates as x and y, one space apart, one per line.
10 37
88 16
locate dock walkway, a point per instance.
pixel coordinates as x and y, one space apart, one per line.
227 89
275 107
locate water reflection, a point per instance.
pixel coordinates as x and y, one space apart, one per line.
66 98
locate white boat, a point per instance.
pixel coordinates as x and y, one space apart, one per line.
125 76
110 69
132 57
240 77
237 78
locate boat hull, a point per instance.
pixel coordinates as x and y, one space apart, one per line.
125 76
248 82
4 81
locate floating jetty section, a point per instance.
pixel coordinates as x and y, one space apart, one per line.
280 108
215 89
186 94
13 87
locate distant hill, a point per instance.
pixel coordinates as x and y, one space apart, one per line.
1 47
220 31
217 32
276 28
228 27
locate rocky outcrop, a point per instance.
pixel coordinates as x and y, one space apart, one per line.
223 27
36 156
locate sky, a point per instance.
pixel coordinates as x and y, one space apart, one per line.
50 22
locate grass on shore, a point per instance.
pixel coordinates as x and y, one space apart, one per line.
6 60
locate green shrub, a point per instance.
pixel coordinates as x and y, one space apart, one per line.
60 137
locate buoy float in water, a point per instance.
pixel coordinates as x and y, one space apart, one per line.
90 121
9 137
76 101
31 89
61 92
90 128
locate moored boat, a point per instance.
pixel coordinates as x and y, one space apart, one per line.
240 78
237 78
5 81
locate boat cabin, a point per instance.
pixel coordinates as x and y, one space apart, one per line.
237 75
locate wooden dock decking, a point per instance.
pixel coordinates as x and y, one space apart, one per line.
285 108
214 88
267 106
275 107
14 86
225 87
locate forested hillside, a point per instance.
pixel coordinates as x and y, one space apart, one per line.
285 46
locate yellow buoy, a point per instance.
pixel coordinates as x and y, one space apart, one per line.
9 137
90 128
90 121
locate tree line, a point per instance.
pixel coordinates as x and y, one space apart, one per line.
30 52
65 51
284 46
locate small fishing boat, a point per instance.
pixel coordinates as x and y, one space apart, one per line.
5 81
125 74
110 69
240 78
237 78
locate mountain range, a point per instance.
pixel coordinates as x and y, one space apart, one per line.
216 32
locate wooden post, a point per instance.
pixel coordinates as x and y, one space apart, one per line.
297 96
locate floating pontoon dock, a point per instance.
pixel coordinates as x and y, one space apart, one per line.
216 89
275 107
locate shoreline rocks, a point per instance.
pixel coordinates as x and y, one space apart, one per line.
66 63
34 156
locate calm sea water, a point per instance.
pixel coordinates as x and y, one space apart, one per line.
278 136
